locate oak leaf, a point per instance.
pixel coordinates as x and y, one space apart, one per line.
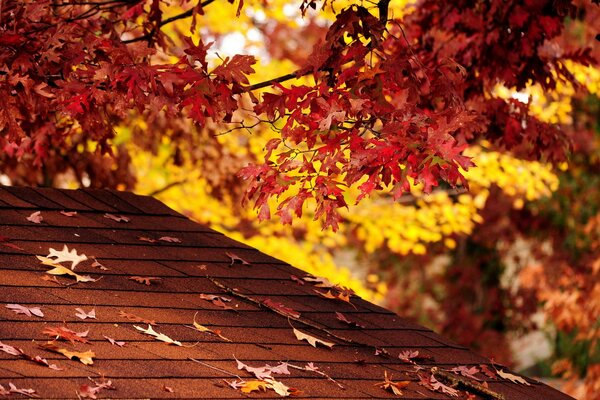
159 336
265 371
87 391
146 280
114 342
438 386
254 386
389 385
84 315
218 301
65 255
20 353
469 372
135 318
512 378
36 217
97 264
29 311
85 357
236 259
13 389
487 371
311 339
147 239
202 328
60 270
61 332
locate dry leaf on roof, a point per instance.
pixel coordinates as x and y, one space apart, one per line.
311 339
344 319
342 295
147 239
159 336
281 389
297 280
8 349
168 389
20 353
84 315
280 308
169 239
412 356
437 386
487 371
469 372
236 259
389 385
512 378
69 213
318 281
116 218
66 255
61 332
13 389
85 357
202 328
114 342
265 371
5 241
146 280
60 270
96 264
218 301
89 392
135 318
254 386
36 217
29 311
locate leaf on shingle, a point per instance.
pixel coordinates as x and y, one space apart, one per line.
68 213
61 332
5 241
8 349
145 280
20 353
412 356
116 218
147 239
265 371
13 389
45 362
135 318
169 239
87 391
36 217
299 281
469 372
158 336
487 371
254 386
29 311
438 386
84 315
344 319
318 281
60 270
96 264
168 389
218 301
311 339
389 385
66 255
280 308
114 342
85 357
236 259
202 328
512 378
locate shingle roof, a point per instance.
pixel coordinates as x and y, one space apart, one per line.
256 332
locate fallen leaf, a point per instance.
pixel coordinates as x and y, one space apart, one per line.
85 358
96 264
281 389
218 301
438 386
83 315
146 280
5 241
69 213
311 339
318 281
36 217
116 218
236 259
13 389
202 328
469 372
487 371
341 295
66 256
512 378
29 311
135 318
343 318
89 392
114 342
60 270
201 267
8 349
147 239
413 356
51 279
265 371
168 389
297 280
159 336
280 308
61 332
389 385
169 239
20 353
254 386
45 362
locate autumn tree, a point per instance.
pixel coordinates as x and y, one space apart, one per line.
348 113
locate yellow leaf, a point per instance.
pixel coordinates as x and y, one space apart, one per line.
311 339
60 270
253 386
83 357
202 328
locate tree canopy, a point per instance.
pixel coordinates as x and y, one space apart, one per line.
345 112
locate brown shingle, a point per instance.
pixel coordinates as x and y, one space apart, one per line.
144 366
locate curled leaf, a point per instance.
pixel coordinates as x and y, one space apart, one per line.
84 315
135 318
389 385
159 336
61 332
146 280
311 339
83 357
511 377
116 218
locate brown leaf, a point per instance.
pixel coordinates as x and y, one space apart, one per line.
135 318
36 217
169 239
83 357
146 280
62 332
389 385
5 242
116 218
114 342
69 213
202 328
487 371
218 301
60 270
311 339
29 311
343 318
299 281
236 259
96 264
469 372
168 389
281 308
147 239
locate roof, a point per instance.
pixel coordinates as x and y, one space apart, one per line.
123 236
